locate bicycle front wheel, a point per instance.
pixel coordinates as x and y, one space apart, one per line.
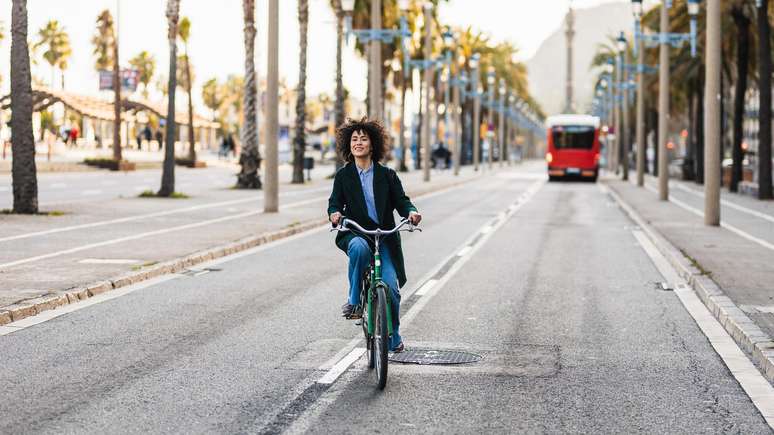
381 337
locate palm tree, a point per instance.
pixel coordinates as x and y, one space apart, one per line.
339 107
56 42
168 171
764 113
299 141
106 52
212 95
184 31
23 172
250 158
742 24
145 63
103 41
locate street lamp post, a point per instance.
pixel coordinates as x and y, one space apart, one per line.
510 129
663 107
624 141
712 117
500 124
271 187
428 79
490 82
456 84
617 96
447 82
640 123
476 93
375 64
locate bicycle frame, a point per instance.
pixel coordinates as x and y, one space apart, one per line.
376 279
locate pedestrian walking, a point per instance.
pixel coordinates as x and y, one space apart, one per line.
159 138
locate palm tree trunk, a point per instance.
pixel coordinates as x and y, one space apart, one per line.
116 104
23 171
654 123
299 142
191 137
168 171
742 59
250 158
764 120
420 119
339 108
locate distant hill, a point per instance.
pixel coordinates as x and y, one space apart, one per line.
547 67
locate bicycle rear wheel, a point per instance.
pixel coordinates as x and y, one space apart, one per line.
381 338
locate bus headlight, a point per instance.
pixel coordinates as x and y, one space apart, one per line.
549 158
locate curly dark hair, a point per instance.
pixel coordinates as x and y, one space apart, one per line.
376 134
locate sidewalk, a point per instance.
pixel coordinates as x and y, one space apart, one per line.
95 247
733 275
71 160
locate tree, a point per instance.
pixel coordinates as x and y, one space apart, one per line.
250 158
106 53
742 24
162 84
56 42
184 31
299 141
212 95
168 171
339 107
764 113
23 172
103 41
145 63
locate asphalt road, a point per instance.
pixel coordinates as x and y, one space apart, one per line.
560 301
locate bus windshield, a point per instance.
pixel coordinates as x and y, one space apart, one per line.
573 137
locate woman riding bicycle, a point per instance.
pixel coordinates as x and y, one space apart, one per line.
367 192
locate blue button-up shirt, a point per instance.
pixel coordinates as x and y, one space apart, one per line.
367 182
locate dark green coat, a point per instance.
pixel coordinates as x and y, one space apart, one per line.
348 199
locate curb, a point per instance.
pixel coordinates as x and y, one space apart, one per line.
32 307
745 332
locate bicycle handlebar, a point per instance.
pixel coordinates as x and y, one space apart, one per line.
344 223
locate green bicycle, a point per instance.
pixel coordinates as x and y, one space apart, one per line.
377 312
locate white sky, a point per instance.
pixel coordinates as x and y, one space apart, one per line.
216 45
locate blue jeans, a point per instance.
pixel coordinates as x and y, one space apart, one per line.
359 254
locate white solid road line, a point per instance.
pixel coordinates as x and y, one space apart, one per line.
725 225
753 383
464 251
426 287
341 366
148 234
729 204
151 215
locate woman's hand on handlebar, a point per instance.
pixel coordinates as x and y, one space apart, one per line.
415 218
335 218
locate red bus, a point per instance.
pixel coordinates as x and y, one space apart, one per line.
573 146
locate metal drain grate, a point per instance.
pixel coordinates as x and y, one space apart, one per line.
431 356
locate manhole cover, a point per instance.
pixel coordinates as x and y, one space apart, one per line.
430 356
